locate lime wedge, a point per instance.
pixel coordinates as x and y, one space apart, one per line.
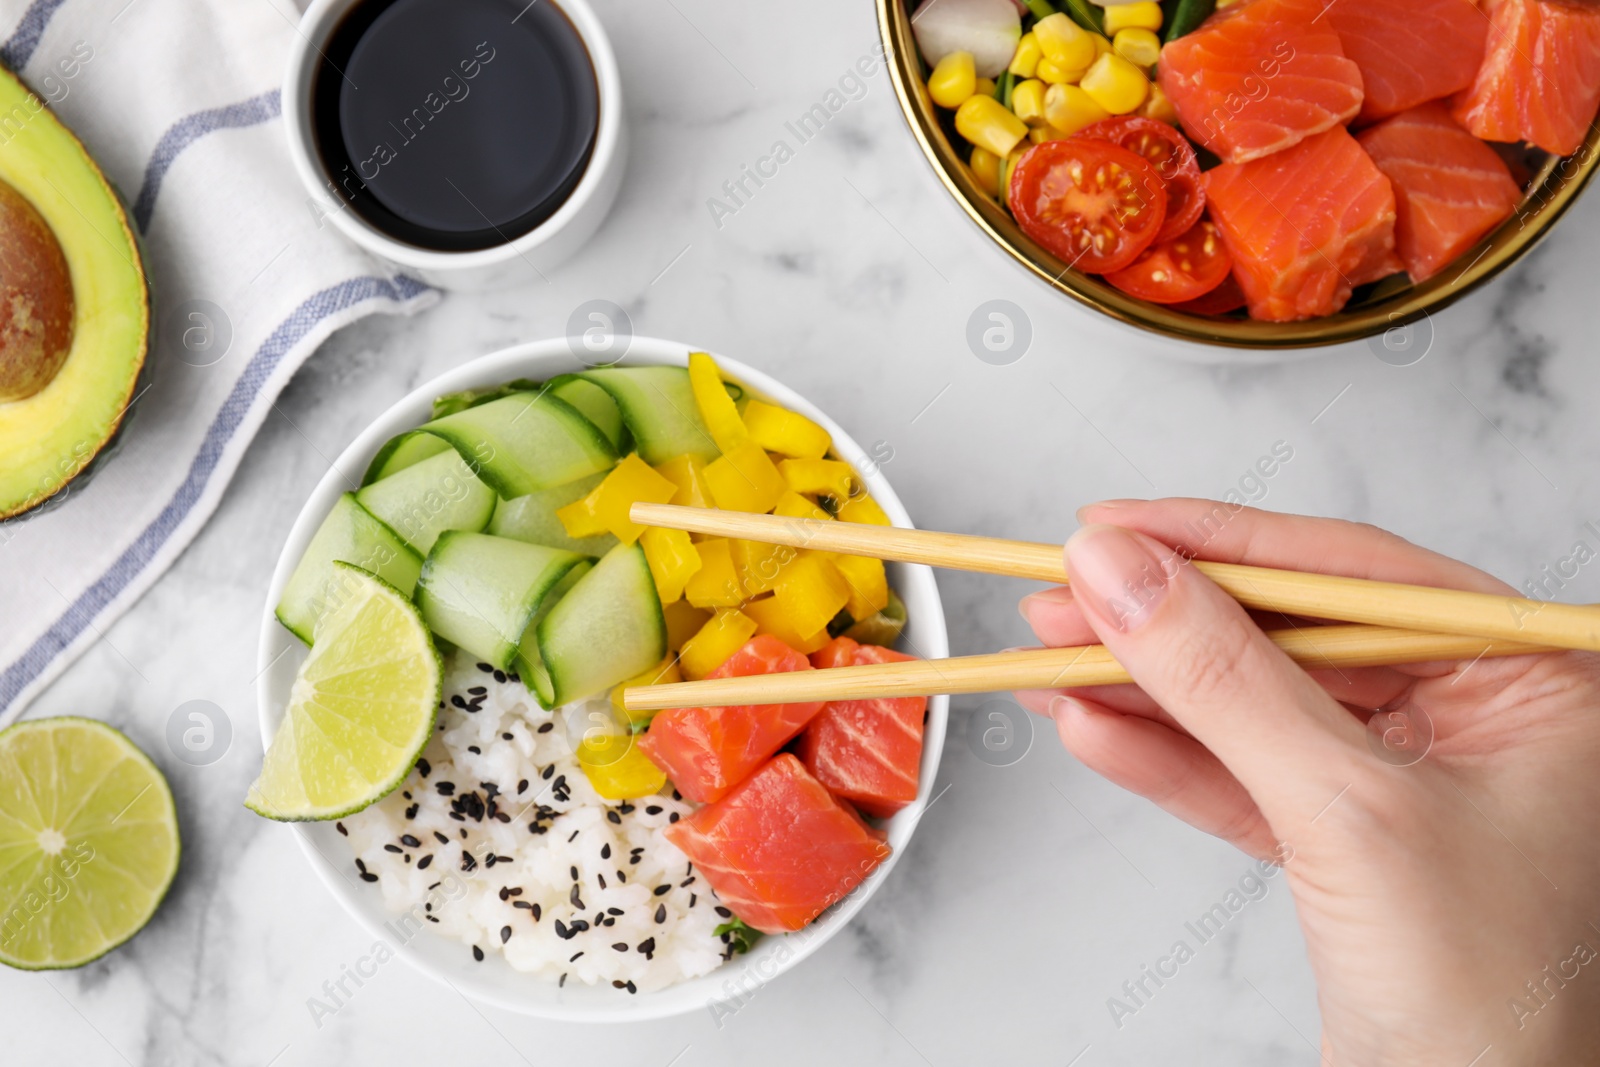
88 842
361 709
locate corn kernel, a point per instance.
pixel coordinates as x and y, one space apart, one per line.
745 479
953 80
1140 16
1005 186
673 560
717 640
1047 132
1063 41
1102 44
1052 73
1142 48
985 170
985 87
786 432
1158 105
772 619
1027 101
1115 84
716 406
984 121
1026 57
1069 109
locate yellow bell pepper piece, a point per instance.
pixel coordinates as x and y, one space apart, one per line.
683 622
673 561
631 481
662 673
1069 109
1141 16
793 505
744 479
772 619
1026 57
717 408
717 583
869 586
1115 84
718 639
985 170
863 509
759 565
986 122
811 591
1064 42
831 476
1027 100
785 432
954 78
581 517
688 473
618 768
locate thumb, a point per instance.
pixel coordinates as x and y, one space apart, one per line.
1194 650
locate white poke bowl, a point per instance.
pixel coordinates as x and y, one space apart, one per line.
494 981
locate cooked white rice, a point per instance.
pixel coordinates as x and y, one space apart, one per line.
482 841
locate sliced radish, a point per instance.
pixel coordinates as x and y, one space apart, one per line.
989 29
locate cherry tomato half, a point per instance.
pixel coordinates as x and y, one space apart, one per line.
1092 204
1173 157
1185 268
1224 298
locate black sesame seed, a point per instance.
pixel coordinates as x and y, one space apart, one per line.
477 690
490 860
537 911
563 980
605 851
507 737
475 750
408 840
477 953
443 840
522 787
602 879
485 668
360 866
458 817
574 957
547 772
514 891
368 876
621 877
580 925
647 946
546 727
632 988
455 699
563 931
463 833
613 911
673 817
661 913
654 809
503 894
467 862
617 983
500 676
411 812
573 838
423 863
634 859
521 904
621 946
614 817
577 901
724 912
574 872
396 849
445 788
340 827
663 890
692 898
505 934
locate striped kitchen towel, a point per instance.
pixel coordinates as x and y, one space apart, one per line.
178 101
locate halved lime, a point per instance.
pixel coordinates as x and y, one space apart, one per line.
88 842
361 709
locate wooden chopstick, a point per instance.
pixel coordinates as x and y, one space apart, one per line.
1312 647
1317 596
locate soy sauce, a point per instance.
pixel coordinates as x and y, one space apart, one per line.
455 124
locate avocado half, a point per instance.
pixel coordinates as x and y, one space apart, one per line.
74 304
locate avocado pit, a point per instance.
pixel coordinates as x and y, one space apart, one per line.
36 299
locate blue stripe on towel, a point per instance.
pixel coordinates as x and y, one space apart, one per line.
19 47
245 392
191 128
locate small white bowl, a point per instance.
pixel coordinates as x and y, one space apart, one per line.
521 261
494 981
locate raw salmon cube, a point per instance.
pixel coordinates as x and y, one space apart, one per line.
1409 51
1261 77
1305 226
779 849
1450 188
1540 80
708 751
867 751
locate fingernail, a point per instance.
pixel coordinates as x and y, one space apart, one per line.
1110 505
1115 576
1045 599
1063 707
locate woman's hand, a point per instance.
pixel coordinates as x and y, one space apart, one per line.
1451 907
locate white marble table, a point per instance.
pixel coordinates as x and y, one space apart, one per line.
1033 891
